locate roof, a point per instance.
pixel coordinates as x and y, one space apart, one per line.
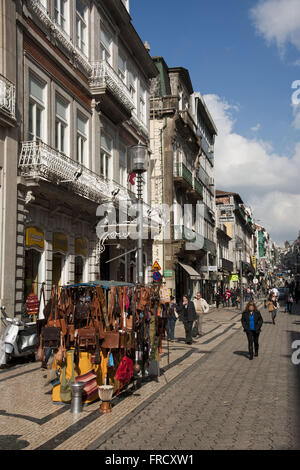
220 193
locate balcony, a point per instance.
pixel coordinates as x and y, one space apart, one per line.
194 241
7 102
115 97
59 34
184 176
40 162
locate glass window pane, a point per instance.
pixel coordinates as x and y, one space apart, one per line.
122 64
62 137
105 38
38 121
36 89
106 141
61 109
80 8
81 124
30 127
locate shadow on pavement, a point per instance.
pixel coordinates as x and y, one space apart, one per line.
295 336
11 442
242 353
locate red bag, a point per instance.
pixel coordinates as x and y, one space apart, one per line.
90 391
124 372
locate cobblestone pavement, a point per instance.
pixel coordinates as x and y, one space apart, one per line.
208 396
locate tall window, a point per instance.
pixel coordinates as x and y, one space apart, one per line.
142 104
81 26
105 155
123 165
105 46
132 87
61 125
36 108
122 68
81 139
60 13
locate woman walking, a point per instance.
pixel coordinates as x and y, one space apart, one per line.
272 305
252 322
172 317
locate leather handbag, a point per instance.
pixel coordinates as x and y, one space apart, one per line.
87 336
111 340
51 337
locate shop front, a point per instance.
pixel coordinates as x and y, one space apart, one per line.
34 260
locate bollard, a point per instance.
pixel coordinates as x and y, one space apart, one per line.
76 404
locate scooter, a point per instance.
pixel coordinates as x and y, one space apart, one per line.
19 339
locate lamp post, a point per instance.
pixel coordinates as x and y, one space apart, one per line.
139 164
239 247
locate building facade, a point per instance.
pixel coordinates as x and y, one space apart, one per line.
182 181
82 102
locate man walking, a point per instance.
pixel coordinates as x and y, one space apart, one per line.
187 314
201 307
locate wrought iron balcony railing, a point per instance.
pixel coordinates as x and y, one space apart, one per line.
39 160
181 171
103 75
7 97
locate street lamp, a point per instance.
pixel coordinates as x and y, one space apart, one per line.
139 163
239 247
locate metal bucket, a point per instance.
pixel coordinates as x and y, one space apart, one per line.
76 404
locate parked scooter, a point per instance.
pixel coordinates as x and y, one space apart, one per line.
19 339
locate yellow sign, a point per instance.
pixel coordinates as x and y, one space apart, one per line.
35 237
156 266
81 247
234 277
60 242
253 261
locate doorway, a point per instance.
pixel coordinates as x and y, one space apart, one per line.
57 269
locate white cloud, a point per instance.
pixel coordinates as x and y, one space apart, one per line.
278 21
266 181
256 128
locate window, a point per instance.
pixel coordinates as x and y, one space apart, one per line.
81 139
105 46
122 68
81 26
132 87
59 13
61 125
142 105
36 108
105 155
123 165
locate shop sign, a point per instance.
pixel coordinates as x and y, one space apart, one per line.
81 247
34 237
234 277
164 294
168 273
60 242
213 268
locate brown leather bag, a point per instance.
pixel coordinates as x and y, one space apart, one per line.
87 336
111 340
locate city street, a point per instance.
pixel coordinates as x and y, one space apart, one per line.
210 396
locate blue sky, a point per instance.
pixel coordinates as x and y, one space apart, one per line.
216 41
244 65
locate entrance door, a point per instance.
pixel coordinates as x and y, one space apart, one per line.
78 270
32 265
57 266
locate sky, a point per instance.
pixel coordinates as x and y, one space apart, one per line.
244 57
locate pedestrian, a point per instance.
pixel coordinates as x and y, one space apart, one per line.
272 305
286 302
218 298
227 295
188 315
201 307
172 317
233 297
252 322
290 301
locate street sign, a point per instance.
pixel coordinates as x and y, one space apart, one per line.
168 273
156 276
156 266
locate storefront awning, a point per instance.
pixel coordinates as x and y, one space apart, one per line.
191 272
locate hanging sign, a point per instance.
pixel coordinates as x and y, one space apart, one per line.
34 237
81 247
60 242
156 266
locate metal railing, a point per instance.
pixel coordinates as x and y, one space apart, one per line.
181 171
7 96
104 75
39 160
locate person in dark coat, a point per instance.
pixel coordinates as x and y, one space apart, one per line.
172 317
188 315
252 322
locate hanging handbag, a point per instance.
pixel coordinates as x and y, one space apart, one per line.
61 353
51 332
86 337
111 340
